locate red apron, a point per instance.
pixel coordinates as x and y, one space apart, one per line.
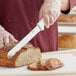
19 17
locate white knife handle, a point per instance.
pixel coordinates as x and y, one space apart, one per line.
41 24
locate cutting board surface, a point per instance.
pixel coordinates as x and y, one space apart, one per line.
68 60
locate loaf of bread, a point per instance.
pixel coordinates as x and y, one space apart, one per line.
27 55
67 41
46 64
67 18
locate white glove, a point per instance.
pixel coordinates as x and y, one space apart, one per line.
5 37
50 11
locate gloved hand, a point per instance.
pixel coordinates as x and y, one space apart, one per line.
5 37
50 11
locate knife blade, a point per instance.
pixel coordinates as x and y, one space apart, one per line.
39 27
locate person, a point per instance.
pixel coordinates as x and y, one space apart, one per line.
19 17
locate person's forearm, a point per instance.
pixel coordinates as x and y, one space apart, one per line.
65 5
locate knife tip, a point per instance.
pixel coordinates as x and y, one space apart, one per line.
10 55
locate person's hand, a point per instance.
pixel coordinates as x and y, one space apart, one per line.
50 11
5 37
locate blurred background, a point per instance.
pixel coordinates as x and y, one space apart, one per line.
67 30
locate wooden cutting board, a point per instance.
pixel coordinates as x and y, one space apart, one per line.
69 67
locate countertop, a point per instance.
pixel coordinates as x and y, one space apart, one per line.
71 51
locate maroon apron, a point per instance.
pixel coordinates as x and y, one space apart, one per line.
19 17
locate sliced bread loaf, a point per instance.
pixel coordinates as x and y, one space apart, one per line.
25 56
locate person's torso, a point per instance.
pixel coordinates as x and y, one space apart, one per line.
19 17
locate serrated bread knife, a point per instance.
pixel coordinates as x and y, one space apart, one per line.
39 27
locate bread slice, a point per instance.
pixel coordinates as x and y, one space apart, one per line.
53 63
41 64
46 64
25 56
33 66
38 65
